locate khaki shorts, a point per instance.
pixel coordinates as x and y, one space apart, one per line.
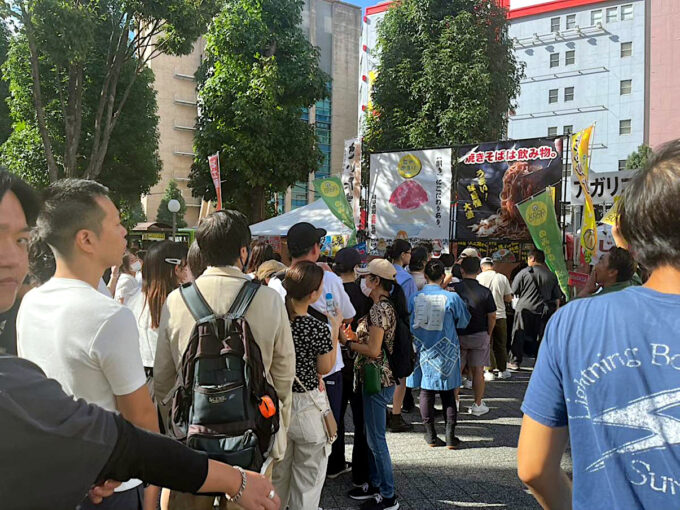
475 349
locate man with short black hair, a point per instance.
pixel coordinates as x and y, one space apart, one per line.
613 272
475 338
606 379
539 294
304 244
86 341
224 239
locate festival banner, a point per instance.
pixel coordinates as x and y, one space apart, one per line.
494 177
604 187
214 162
509 252
611 217
330 189
580 158
410 196
539 214
351 176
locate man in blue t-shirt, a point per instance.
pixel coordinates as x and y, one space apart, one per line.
608 372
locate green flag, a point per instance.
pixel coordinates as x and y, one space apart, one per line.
539 215
331 190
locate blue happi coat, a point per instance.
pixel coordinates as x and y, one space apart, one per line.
435 315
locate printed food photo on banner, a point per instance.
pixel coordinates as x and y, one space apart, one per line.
410 195
494 177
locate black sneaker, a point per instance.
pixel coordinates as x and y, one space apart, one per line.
363 492
397 424
380 503
332 475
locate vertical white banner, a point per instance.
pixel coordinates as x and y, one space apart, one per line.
351 176
410 194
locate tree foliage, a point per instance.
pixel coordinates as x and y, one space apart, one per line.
258 74
132 163
5 120
83 59
164 215
447 75
638 159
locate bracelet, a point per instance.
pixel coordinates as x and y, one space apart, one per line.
244 481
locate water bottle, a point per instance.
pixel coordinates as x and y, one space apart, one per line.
330 304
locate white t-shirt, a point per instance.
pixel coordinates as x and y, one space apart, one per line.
332 284
103 288
499 285
86 341
148 337
126 288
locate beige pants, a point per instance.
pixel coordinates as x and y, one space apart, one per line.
185 501
300 476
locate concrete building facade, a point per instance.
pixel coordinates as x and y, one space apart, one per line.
176 96
331 25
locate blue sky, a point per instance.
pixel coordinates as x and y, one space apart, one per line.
364 3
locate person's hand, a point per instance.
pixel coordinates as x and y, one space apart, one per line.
115 271
592 285
322 385
101 491
335 322
349 334
257 492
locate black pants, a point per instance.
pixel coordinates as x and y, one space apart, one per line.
527 333
336 460
448 401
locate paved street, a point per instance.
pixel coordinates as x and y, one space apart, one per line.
480 475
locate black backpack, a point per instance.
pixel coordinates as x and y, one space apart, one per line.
223 403
402 359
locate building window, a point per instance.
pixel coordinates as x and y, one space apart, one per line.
554 60
626 49
612 14
625 127
567 130
596 17
552 131
622 164
554 24
626 12
570 58
569 93
571 21
552 95
626 87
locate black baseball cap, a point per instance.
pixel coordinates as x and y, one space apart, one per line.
302 236
348 257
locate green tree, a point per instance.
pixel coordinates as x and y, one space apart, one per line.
84 58
447 75
258 75
639 158
5 120
132 163
164 215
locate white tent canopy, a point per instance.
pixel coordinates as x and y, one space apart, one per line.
316 213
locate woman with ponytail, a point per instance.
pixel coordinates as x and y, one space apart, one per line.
300 476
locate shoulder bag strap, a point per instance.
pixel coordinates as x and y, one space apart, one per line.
196 303
307 393
243 300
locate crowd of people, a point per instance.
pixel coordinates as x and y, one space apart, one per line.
326 333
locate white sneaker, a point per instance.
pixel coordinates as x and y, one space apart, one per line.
478 410
488 376
505 375
467 384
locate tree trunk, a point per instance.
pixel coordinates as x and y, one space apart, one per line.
73 116
257 200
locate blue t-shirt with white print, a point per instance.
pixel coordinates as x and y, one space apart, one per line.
609 369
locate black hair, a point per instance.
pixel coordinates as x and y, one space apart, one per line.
428 246
434 270
30 203
650 210
341 269
277 256
621 260
537 255
397 297
418 259
296 252
395 251
447 259
41 263
221 235
470 265
260 252
70 205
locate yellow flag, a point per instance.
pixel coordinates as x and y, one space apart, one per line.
580 158
612 216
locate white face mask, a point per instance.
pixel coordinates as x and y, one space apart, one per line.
365 288
136 266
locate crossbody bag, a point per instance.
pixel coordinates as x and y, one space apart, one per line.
329 424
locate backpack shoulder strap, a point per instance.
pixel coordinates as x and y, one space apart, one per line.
196 303
243 300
